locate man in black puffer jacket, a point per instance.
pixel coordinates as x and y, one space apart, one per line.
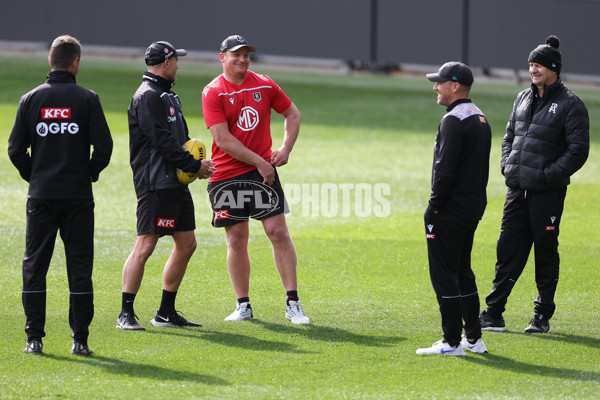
546 141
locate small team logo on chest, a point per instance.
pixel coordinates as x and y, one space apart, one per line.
256 96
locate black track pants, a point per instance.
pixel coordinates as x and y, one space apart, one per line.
75 221
529 219
449 244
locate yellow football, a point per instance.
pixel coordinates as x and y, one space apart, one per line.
198 150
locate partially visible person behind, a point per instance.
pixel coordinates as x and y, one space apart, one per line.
237 108
547 140
461 163
60 122
157 135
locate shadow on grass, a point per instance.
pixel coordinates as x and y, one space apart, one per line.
505 363
329 334
236 340
138 370
564 338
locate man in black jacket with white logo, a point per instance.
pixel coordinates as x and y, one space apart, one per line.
59 121
546 141
157 135
457 202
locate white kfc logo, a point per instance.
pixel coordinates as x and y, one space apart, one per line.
56 113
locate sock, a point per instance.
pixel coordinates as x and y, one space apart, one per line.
127 302
244 300
291 295
167 304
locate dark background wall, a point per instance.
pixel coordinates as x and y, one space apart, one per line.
499 33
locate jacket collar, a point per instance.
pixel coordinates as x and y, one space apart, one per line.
457 102
60 76
548 90
163 83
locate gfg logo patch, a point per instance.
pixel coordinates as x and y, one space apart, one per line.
248 119
43 129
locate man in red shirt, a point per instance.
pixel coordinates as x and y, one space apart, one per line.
237 110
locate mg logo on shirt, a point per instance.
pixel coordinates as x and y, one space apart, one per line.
248 119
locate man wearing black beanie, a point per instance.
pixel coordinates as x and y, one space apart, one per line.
546 141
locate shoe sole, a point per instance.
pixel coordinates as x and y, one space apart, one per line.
454 354
82 354
476 351
130 328
164 324
493 328
535 331
237 320
298 322
33 353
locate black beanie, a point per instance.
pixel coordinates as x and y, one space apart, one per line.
548 54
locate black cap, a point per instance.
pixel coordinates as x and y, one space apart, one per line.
158 52
234 42
453 71
548 54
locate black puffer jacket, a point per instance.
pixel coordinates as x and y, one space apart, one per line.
547 139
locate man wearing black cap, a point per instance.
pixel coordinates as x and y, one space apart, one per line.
458 198
157 134
546 141
237 108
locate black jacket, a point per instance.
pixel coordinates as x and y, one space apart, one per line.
59 121
461 162
547 139
157 136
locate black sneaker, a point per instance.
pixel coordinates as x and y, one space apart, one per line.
81 349
538 324
172 320
34 346
491 324
128 322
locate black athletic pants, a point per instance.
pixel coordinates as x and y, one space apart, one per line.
530 218
449 244
74 218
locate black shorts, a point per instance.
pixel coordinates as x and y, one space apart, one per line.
165 212
236 199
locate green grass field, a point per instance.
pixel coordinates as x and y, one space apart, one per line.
364 281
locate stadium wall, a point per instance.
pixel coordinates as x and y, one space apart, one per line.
483 33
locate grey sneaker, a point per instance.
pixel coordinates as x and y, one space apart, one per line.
491 324
81 349
128 321
538 324
34 346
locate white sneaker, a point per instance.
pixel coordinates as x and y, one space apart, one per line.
442 347
242 312
477 347
295 313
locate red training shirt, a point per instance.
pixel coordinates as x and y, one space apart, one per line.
246 109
